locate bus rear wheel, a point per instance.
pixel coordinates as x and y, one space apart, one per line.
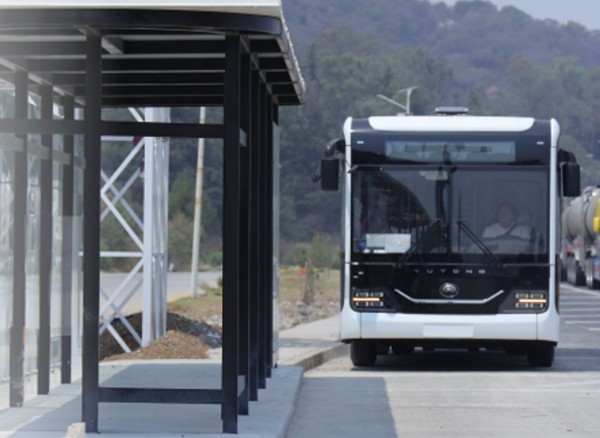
363 353
541 355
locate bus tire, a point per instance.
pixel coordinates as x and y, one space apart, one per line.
363 353
541 355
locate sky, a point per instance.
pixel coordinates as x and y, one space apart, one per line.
585 12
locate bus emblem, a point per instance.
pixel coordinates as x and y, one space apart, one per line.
449 290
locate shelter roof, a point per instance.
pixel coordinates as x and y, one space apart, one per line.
155 53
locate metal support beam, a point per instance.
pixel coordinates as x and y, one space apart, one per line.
254 240
71 127
244 278
91 244
45 255
17 330
269 234
275 230
161 395
263 295
231 231
68 250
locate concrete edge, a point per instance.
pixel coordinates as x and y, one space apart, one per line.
289 412
319 358
307 364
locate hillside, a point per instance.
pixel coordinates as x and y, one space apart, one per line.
476 38
495 61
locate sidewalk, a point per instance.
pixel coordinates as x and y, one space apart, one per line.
301 348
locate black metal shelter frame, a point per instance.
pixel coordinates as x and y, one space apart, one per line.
95 59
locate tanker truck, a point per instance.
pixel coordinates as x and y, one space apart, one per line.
581 240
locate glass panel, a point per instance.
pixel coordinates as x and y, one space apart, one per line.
77 274
481 151
57 246
7 101
6 268
32 265
507 209
455 213
395 209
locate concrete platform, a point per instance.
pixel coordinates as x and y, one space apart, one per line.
301 348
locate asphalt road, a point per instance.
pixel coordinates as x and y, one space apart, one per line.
130 300
462 394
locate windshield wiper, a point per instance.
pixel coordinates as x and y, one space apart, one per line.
417 243
482 246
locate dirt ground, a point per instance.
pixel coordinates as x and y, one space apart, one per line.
184 339
190 339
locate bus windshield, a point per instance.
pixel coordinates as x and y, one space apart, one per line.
451 213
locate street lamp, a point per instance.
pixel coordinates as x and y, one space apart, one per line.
405 108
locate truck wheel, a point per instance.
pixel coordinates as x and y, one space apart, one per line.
363 353
541 355
570 270
575 275
563 271
590 281
579 275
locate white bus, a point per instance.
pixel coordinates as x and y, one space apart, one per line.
450 233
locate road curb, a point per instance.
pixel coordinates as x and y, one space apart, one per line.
307 364
320 357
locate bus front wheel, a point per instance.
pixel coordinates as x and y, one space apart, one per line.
363 353
541 355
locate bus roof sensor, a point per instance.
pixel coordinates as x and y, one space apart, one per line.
451 110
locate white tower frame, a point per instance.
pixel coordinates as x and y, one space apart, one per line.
149 275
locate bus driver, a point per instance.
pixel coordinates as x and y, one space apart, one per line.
506 225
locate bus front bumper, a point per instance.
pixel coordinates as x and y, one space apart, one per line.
518 327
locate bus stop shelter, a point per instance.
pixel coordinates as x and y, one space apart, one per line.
87 56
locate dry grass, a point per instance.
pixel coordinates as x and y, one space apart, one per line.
207 308
291 289
291 284
201 308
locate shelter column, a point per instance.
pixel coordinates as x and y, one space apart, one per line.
231 233
67 249
91 242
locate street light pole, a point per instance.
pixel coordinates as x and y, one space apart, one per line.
405 108
198 209
408 91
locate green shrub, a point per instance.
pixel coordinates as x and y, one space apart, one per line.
215 259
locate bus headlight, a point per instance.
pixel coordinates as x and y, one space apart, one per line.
526 301
368 299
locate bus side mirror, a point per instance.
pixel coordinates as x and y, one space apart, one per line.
571 179
330 175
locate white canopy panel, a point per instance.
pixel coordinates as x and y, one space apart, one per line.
269 8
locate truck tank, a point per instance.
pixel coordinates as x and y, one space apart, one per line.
582 217
580 228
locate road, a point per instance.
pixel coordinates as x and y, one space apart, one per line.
462 394
178 286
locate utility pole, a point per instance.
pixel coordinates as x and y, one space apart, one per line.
198 208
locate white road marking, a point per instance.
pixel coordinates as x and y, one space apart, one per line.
581 322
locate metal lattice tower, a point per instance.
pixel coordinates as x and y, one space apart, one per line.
148 277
